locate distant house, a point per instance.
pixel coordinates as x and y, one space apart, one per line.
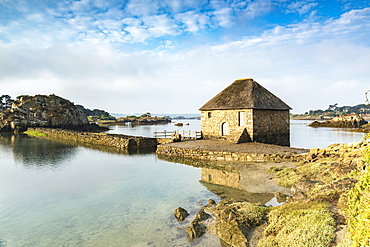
246 112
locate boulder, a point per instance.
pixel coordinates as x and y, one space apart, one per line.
42 111
196 229
181 214
236 222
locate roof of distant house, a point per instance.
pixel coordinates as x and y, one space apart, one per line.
245 94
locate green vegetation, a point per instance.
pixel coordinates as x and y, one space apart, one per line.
299 224
357 208
356 205
334 110
35 133
325 170
96 114
248 213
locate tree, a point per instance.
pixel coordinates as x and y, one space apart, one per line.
5 102
146 115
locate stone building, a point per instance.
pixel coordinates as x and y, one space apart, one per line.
246 112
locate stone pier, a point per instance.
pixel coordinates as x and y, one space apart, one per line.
117 141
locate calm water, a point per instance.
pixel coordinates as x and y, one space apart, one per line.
54 194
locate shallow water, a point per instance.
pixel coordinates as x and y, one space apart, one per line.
54 194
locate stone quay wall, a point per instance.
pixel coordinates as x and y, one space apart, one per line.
199 154
103 139
271 127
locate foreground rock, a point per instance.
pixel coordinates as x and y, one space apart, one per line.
235 223
42 111
181 214
343 121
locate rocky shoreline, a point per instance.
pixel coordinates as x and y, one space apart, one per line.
343 121
318 208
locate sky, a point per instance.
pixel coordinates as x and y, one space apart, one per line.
172 56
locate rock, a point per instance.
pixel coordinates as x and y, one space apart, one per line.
343 121
236 221
302 187
202 216
196 229
42 111
181 214
211 203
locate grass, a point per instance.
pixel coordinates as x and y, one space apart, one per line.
35 133
299 224
356 205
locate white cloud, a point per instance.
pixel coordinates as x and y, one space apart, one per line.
142 7
258 8
224 17
301 7
308 65
193 21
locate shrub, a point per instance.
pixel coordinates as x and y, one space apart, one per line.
356 205
299 224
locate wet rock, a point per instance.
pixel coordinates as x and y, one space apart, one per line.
237 221
198 226
211 203
202 216
181 214
196 229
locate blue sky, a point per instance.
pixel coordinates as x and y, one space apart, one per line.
172 56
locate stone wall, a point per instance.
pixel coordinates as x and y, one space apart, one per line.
227 156
113 140
265 126
271 127
211 124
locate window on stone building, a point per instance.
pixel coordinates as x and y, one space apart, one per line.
241 118
209 114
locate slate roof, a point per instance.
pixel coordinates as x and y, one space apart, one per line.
245 94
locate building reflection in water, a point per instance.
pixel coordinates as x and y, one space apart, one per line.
232 180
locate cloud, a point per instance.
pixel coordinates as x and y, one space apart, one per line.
193 21
301 7
309 65
258 8
224 17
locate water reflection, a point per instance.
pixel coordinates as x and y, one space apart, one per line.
242 182
37 153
